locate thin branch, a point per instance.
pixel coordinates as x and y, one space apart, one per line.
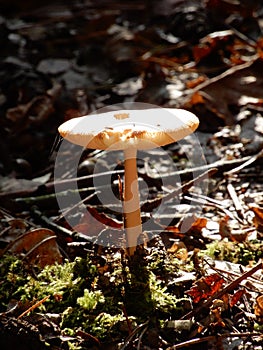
236 201
225 290
213 338
151 204
248 162
33 307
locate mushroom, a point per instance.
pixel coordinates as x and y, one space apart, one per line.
130 130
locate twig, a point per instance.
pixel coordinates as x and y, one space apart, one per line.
50 224
33 307
193 342
140 338
66 212
49 186
236 201
225 290
127 319
213 338
212 204
221 165
133 334
37 200
151 204
221 76
223 271
205 199
83 178
248 162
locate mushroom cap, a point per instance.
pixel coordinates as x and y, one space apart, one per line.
123 129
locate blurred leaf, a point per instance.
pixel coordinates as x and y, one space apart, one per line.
36 112
213 45
9 184
221 9
258 218
236 297
53 66
258 308
191 84
237 87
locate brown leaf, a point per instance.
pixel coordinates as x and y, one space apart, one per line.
93 222
199 224
224 229
16 225
259 306
193 83
236 297
193 224
211 44
89 225
232 233
197 98
105 219
258 309
205 287
179 250
34 112
38 246
216 309
258 218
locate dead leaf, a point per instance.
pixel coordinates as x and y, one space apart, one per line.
191 84
105 219
16 225
258 218
197 98
228 229
193 225
236 297
179 249
259 306
89 225
38 246
258 309
199 224
93 222
205 287
216 309
224 229
35 112
212 45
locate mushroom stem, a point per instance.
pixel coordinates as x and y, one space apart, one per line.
131 203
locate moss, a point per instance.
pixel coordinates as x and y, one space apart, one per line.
90 300
93 297
13 277
239 253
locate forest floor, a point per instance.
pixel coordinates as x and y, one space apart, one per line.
195 281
